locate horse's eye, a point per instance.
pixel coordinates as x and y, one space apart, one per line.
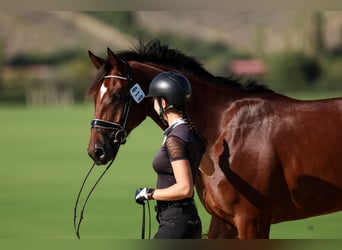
117 98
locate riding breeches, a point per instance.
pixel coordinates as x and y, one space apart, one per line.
178 223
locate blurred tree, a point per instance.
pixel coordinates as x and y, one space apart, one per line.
2 56
292 70
318 46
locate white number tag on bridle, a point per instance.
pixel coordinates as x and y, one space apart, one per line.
137 93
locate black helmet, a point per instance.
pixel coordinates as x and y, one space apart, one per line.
173 86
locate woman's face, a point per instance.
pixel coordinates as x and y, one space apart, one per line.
156 104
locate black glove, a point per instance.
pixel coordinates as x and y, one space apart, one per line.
143 194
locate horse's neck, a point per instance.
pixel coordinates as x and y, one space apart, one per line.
209 100
155 117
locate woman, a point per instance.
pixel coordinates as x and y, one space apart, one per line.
177 161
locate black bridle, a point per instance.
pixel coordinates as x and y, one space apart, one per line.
119 138
119 128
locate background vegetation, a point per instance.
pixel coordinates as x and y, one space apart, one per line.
316 68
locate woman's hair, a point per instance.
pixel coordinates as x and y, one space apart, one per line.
193 129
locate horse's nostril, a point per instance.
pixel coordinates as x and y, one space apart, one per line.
99 152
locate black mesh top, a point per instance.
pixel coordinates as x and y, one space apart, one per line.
179 143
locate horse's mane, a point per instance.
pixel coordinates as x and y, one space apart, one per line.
157 53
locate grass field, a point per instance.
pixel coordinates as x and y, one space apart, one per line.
44 160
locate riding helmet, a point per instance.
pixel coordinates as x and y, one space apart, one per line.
173 86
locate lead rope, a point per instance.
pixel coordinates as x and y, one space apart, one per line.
78 196
143 222
78 225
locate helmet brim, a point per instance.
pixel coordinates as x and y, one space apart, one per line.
148 96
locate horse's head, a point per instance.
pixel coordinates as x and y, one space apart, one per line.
119 106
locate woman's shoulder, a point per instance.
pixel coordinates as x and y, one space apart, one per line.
183 132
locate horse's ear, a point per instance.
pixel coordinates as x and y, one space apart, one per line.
113 59
95 60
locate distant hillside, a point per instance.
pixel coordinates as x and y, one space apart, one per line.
47 32
49 51
251 31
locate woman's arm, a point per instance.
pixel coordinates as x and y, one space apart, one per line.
183 188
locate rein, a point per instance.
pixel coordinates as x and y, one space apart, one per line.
119 139
143 221
77 225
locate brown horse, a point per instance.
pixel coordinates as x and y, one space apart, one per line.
270 158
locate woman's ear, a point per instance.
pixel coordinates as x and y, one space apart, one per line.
164 102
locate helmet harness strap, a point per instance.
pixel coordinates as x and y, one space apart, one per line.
163 110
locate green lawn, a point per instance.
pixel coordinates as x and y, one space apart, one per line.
44 160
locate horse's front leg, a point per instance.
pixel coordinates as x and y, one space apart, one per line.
220 229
